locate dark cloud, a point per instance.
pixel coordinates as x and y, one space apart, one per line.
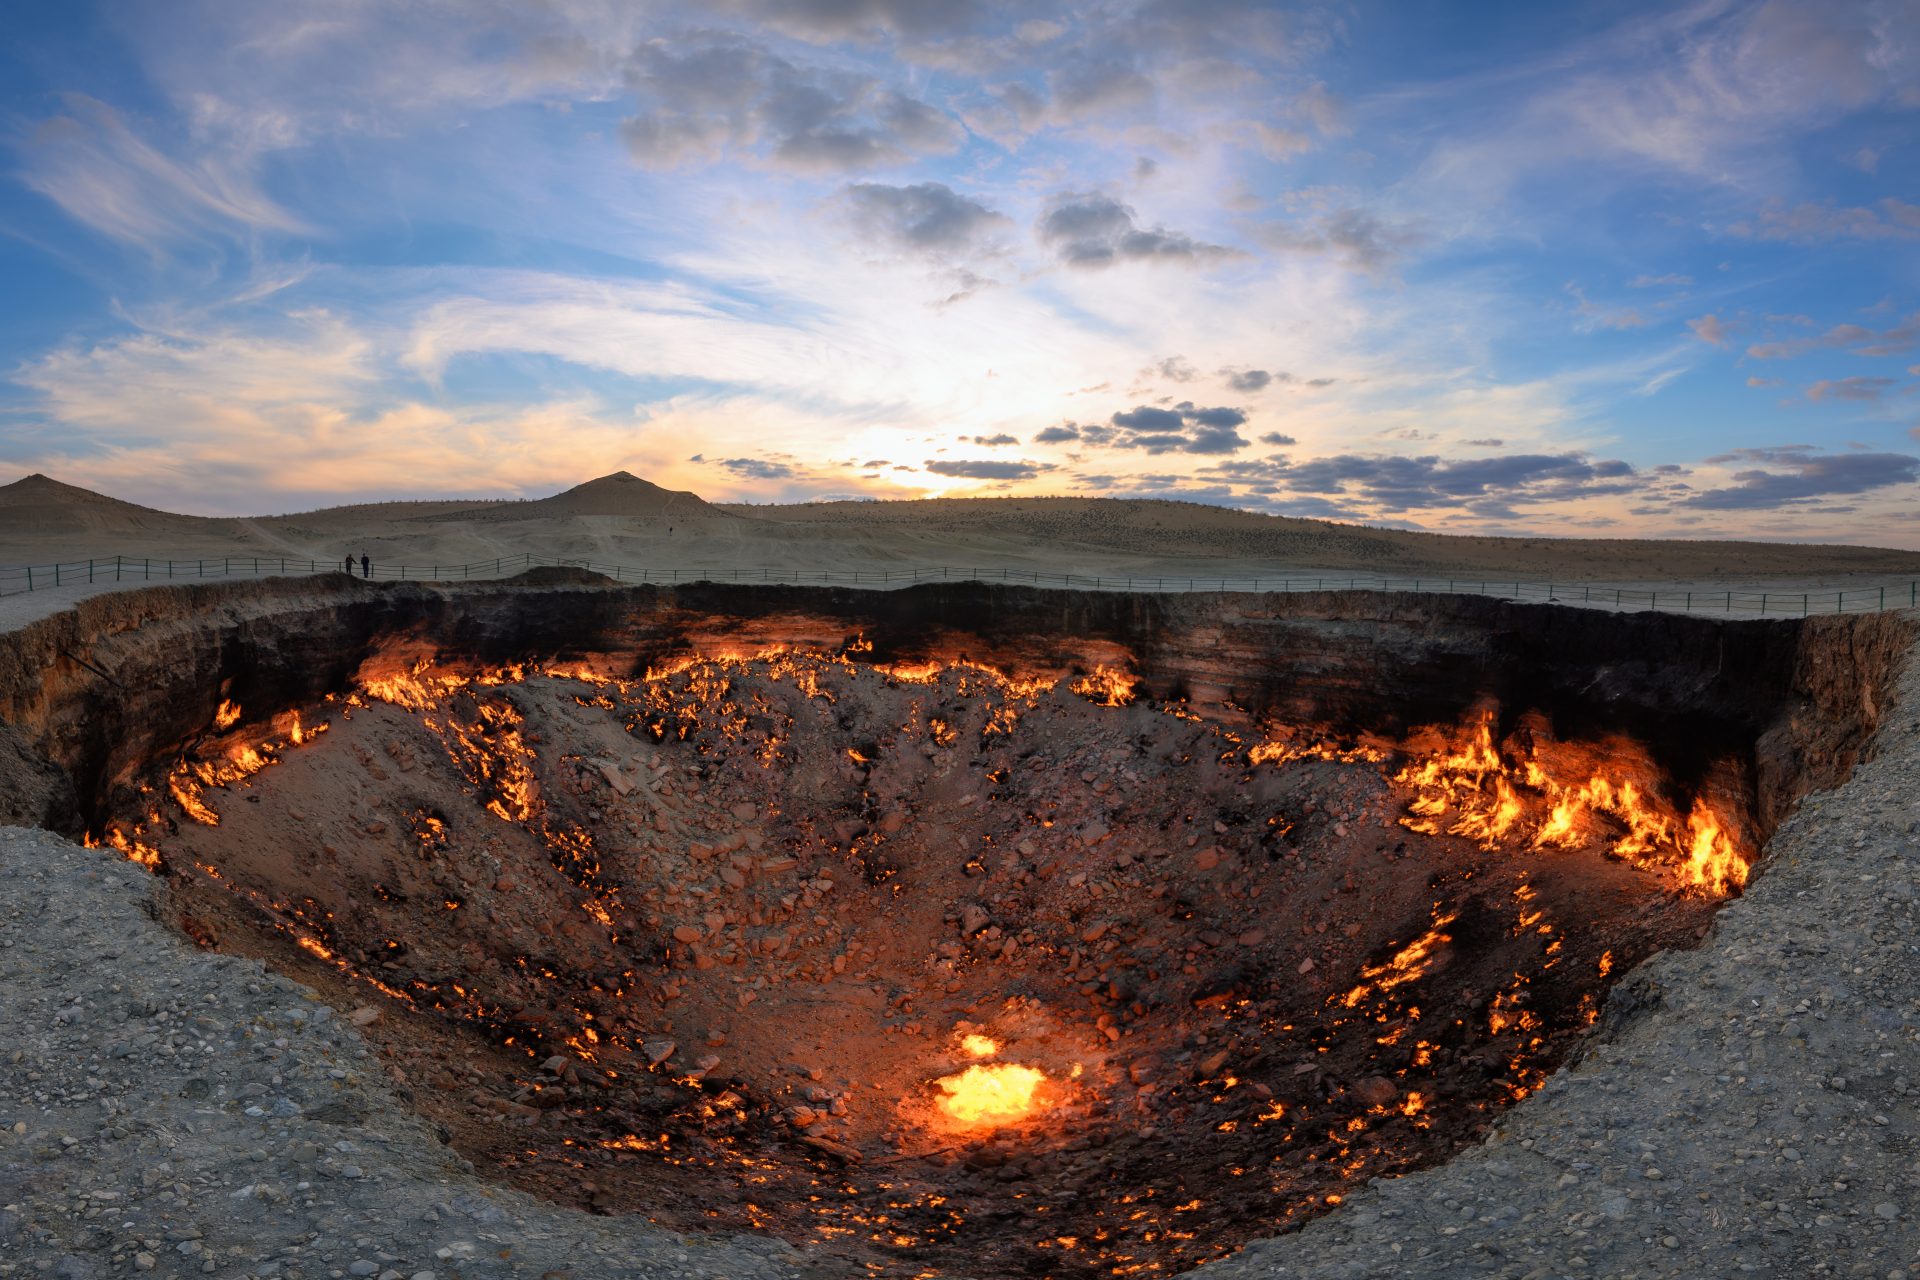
1099 89
1094 230
1862 340
1854 388
994 442
1798 476
758 469
984 469
1057 435
1185 428
1174 369
709 94
1277 440
1354 236
863 19
926 217
1250 380
1491 442
1489 486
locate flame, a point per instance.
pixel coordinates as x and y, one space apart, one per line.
1105 686
227 715
1409 963
990 1096
1569 795
975 1045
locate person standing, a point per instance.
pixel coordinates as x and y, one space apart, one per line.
366 567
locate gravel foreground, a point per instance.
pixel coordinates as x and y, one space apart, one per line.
1752 1108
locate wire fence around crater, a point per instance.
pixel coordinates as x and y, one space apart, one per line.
142 570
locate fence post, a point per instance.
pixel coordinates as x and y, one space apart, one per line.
1803 604
1763 603
30 576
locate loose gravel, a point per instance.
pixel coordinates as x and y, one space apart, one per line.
1750 1108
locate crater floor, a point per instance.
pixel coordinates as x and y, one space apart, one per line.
704 942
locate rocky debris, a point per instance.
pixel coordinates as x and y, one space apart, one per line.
176 1113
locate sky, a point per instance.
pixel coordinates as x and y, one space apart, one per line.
1607 269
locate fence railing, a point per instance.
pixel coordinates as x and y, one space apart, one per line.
126 570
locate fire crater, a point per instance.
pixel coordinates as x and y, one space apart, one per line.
934 962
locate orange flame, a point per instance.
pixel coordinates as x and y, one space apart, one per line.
1106 686
990 1096
1568 795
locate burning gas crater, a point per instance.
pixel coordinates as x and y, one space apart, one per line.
936 966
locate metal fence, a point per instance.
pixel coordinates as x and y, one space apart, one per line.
127 570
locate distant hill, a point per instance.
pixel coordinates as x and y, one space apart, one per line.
40 507
622 495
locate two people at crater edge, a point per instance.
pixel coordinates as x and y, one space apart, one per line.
366 566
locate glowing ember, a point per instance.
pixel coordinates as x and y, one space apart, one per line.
988 1096
975 1045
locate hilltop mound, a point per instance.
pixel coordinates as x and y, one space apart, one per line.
39 507
622 495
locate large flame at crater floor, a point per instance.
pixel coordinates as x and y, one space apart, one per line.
987 1096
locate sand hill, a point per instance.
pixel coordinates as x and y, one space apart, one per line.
38 507
622 496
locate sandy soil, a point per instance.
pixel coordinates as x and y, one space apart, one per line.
624 519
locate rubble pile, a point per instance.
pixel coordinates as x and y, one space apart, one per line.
945 968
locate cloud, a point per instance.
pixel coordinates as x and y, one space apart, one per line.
712 95
1489 485
1093 230
1657 282
1799 476
986 469
1854 388
830 20
1277 440
758 469
926 217
1185 428
1864 341
1490 442
1173 369
1763 382
994 442
1351 236
1250 380
1889 219
1597 316
1710 329
1057 435
98 171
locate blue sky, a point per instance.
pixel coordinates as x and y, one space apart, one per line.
1514 268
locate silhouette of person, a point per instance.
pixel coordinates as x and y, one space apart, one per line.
349 564
366 567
